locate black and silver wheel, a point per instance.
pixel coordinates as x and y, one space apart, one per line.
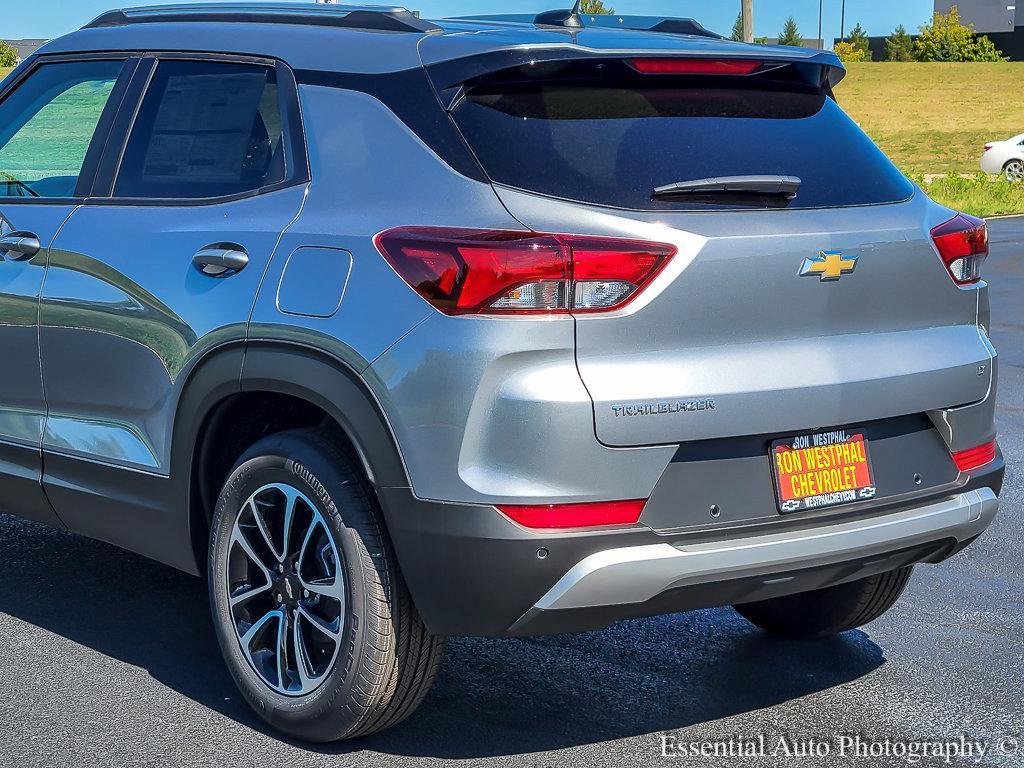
1014 171
312 615
286 589
828 611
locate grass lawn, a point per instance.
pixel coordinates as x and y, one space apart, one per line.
52 145
935 117
978 195
55 140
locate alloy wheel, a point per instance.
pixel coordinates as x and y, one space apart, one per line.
1014 171
286 589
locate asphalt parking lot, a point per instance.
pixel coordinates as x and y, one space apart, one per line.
109 659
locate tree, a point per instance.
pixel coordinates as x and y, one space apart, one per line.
985 50
859 39
947 38
737 28
8 55
899 46
848 52
595 8
790 34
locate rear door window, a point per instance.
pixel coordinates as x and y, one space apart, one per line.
613 144
205 129
47 125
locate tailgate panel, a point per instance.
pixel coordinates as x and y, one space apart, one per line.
777 387
730 340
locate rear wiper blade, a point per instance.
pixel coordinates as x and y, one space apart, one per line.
764 186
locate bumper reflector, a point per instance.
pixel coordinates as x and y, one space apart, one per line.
972 458
575 515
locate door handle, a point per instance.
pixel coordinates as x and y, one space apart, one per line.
24 244
221 260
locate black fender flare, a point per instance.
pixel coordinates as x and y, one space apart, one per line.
329 383
279 367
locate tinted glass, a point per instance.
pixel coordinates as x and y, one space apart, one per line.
47 124
615 145
205 129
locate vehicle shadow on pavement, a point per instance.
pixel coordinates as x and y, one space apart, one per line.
493 697
506 697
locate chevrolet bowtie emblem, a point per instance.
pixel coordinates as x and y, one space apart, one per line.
830 265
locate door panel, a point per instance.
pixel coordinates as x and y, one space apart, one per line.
22 408
124 316
139 288
51 123
21 398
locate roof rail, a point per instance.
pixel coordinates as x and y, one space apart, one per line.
370 17
664 24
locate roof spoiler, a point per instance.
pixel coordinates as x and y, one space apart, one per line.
452 76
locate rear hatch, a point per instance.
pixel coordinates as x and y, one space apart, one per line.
730 339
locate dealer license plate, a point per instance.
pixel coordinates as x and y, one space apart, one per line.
822 469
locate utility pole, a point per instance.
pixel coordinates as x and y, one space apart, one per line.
748 21
842 21
821 8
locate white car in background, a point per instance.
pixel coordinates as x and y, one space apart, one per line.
1005 157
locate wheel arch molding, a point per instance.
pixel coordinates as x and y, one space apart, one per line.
230 379
336 388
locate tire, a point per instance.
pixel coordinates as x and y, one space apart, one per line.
1014 171
828 611
357 658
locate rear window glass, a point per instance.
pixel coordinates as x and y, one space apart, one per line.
613 145
205 129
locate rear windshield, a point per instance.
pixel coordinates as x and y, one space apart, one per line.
613 145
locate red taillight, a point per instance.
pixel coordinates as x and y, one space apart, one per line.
588 515
962 243
471 271
972 458
988 147
681 66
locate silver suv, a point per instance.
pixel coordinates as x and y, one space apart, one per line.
400 329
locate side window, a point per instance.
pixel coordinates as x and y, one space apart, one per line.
205 129
47 124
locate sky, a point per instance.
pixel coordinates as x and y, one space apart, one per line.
51 18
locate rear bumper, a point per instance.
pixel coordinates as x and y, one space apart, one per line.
472 571
637 575
992 162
